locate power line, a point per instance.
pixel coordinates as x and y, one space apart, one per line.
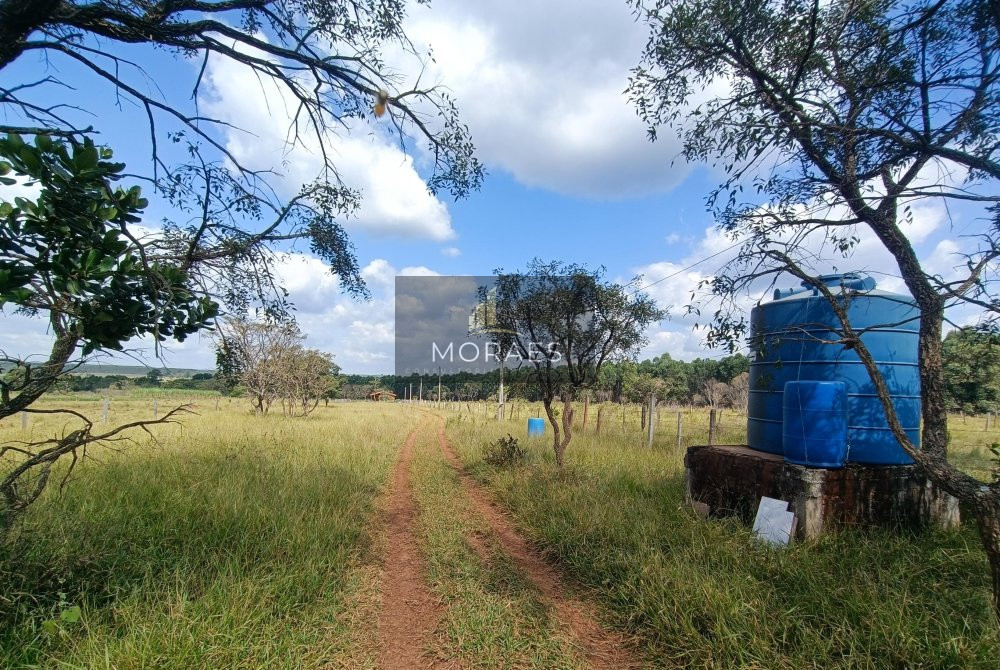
685 269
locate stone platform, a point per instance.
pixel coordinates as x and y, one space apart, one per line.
731 479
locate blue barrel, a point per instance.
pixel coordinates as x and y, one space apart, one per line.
536 427
790 340
814 431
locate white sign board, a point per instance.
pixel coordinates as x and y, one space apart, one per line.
774 523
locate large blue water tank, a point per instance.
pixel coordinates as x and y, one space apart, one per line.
814 430
789 337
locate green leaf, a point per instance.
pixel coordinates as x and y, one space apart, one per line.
86 157
71 615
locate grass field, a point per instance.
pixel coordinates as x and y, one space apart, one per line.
238 541
233 542
707 594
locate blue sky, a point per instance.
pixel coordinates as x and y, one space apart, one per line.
572 175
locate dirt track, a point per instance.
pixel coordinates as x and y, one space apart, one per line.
409 613
601 648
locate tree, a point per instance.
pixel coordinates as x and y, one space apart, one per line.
153 378
738 396
714 393
255 354
326 55
113 281
674 376
305 376
841 115
567 321
972 370
268 362
67 256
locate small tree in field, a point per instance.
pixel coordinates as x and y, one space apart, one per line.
972 370
267 360
255 354
841 115
714 392
738 394
306 376
567 322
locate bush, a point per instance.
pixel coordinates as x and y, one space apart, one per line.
504 452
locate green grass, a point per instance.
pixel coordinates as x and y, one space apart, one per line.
706 594
235 542
493 618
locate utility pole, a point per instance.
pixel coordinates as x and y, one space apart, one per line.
420 397
439 386
500 398
411 392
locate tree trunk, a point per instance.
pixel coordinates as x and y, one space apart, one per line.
988 520
556 436
42 377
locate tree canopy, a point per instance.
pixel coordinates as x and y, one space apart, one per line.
78 251
831 120
972 370
567 321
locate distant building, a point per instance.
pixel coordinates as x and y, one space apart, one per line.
382 395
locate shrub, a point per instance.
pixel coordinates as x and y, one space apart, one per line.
504 452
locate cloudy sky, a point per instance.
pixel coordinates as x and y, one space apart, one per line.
572 176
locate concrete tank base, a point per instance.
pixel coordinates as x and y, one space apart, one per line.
730 480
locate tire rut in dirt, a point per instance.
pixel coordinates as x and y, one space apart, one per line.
409 613
602 649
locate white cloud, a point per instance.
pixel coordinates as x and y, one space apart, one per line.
542 86
419 271
451 252
395 202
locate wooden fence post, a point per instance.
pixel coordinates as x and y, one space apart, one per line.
711 427
600 419
652 420
642 419
586 407
104 412
679 419
155 408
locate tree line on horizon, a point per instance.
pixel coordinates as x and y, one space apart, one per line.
971 360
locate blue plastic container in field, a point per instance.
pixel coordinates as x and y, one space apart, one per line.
814 423
536 427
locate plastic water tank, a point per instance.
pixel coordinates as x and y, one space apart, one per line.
814 424
790 337
536 426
